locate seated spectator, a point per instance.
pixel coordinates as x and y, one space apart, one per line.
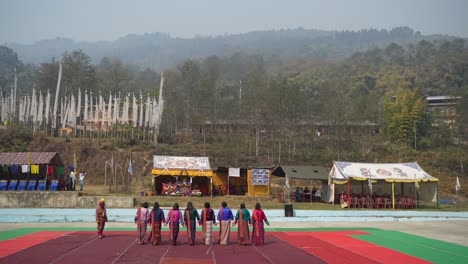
306 190
195 190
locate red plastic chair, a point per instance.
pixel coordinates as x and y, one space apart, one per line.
378 202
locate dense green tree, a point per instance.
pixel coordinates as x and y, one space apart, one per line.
114 76
46 76
78 72
405 117
8 62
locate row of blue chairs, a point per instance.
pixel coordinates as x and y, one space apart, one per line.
23 185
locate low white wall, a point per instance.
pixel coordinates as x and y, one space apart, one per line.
36 199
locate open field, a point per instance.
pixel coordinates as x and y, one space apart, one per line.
428 242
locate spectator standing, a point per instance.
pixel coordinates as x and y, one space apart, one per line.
73 180
82 178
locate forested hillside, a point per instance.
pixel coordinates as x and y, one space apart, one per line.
247 107
159 50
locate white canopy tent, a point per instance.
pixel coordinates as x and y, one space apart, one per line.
406 179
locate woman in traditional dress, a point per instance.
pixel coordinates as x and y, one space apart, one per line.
258 230
155 219
190 217
101 217
174 218
243 218
207 221
224 217
141 219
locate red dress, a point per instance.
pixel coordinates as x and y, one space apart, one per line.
258 230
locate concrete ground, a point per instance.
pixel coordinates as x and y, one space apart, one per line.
449 231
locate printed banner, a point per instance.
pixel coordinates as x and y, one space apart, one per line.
234 172
260 176
379 171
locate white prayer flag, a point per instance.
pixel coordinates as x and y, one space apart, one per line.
134 111
47 107
109 111
130 169
54 116
457 185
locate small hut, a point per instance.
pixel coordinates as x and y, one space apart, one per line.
30 170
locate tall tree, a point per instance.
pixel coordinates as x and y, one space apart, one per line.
78 72
114 76
8 62
405 117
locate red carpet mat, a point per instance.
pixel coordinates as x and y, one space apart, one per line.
340 247
121 247
10 246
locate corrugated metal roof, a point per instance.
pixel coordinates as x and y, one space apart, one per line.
302 172
21 158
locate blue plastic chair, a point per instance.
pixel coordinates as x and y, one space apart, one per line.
13 185
22 186
3 185
41 186
32 185
53 186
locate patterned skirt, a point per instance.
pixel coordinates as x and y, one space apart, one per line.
156 233
209 233
258 234
243 236
225 232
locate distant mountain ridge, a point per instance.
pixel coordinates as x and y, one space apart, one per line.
160 50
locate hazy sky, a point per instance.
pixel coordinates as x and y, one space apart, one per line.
27 21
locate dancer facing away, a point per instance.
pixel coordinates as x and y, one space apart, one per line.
243 218
190 217
174 218
101 216
155 219
207 221
224 217
141 219
258 230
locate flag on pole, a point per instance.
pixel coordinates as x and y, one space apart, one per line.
370 183
234 172
457 185
416 183
130 169
112 163
75 165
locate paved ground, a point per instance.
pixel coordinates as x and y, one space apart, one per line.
449 231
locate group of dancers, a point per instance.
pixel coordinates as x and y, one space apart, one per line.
189 217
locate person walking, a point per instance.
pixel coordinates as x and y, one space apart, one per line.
190 218
207 221
101 217
258 230
224 217
82 178
155 219
73 180
174 218
243 220
141 219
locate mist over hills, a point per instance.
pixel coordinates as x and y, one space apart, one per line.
160 50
